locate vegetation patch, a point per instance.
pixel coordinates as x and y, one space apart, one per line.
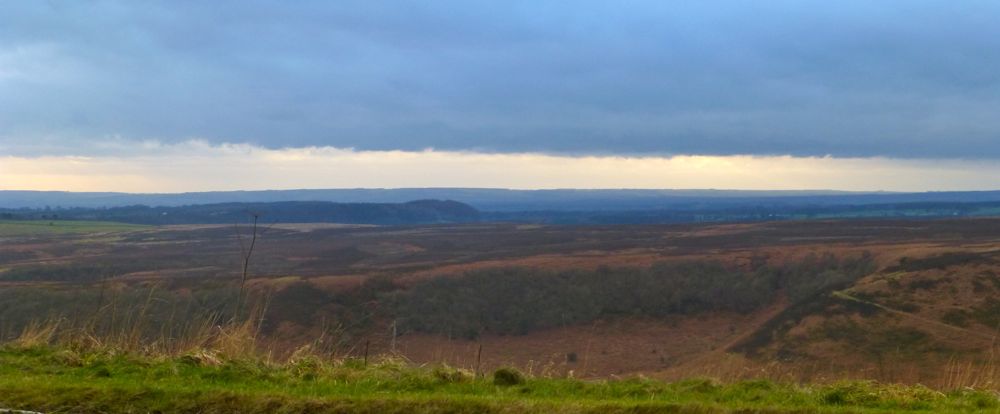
10 228
506 377
956 317
104 380
988 313
70 272
520 300
875 395
941 261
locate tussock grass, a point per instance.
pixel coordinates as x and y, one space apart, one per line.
130 328
213 366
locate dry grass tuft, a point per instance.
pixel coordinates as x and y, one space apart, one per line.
37 334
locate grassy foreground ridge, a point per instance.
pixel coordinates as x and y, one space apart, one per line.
61 379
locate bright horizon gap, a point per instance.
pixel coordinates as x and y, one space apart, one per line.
197 166
800 190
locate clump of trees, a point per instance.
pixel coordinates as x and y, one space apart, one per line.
519 300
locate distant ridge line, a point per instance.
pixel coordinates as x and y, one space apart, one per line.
492 199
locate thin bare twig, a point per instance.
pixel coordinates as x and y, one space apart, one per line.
246 253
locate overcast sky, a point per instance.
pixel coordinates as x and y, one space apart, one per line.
897 81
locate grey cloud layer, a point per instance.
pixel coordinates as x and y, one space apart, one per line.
853 78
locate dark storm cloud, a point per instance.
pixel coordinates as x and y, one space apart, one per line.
853 78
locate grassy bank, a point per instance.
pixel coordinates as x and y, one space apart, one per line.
58 379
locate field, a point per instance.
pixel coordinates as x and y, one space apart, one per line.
898 301
9 228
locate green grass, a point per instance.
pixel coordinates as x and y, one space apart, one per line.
62 380
45 227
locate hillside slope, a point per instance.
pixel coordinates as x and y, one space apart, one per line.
910 301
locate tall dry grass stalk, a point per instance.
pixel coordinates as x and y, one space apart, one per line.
113 328
960 374
213 337
968 374
38 333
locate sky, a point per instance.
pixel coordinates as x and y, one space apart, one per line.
147 96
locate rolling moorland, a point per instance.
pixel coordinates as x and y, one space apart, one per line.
800 305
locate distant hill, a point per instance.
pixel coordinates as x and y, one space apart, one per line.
413 212
374 206
501 200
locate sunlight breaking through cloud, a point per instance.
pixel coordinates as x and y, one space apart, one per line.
201 166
